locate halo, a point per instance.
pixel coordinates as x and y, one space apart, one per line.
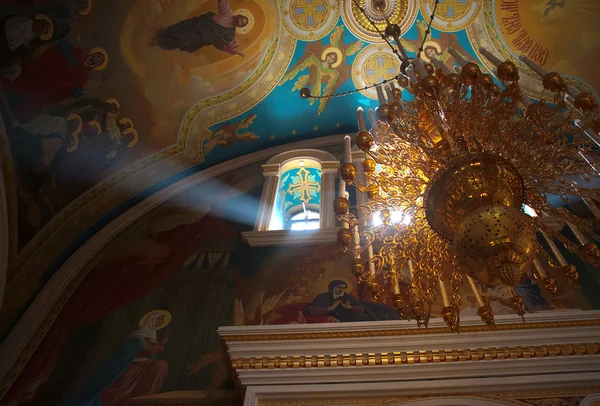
430 44
96 125
113 100
75 144
87 10
349 284
248 14
127 120
75 116
99 50
335 51
48 36
165 313
136 136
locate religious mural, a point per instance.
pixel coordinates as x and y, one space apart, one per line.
94 110
83 101
182 270
103 99
227 134
326 65
537 30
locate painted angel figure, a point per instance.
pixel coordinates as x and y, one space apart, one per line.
551 5
435 48
227 134
326 66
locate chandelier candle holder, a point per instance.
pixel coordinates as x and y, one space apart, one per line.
448 174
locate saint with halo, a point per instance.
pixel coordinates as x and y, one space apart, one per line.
326 65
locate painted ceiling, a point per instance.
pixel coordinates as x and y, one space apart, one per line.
137 94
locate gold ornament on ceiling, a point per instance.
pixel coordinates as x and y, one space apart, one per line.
452 15
364 18
309 20
373 65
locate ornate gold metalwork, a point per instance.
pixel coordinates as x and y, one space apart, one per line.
395 12
476 182
497 244
309 15
591 253
348 172
456 165
415 357
450 316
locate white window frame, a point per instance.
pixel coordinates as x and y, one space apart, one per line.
263 234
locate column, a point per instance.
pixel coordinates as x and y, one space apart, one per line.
267 200
328 173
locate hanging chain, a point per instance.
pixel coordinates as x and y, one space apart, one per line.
393 48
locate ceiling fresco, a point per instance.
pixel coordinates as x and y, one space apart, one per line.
113 100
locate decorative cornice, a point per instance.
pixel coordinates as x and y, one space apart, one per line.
298 153
270 169
416 357
567 342
329 166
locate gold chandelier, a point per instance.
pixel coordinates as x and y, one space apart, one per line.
457 164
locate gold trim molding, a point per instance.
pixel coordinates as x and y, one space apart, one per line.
416 357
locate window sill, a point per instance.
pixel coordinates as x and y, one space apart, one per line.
289 237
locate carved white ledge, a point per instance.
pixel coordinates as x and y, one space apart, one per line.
288 237
551 343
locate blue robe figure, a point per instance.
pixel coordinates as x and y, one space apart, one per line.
346 308
132 370
532 295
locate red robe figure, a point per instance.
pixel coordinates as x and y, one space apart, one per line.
58 74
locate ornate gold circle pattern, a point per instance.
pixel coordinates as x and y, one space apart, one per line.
482 33
401 12
309 20
452 15
373 65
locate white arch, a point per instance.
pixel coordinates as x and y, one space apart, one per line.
38 312
321 156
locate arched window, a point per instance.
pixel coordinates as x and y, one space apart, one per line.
297 196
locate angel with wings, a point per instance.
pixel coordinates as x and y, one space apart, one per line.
227 134
326 66
435 48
